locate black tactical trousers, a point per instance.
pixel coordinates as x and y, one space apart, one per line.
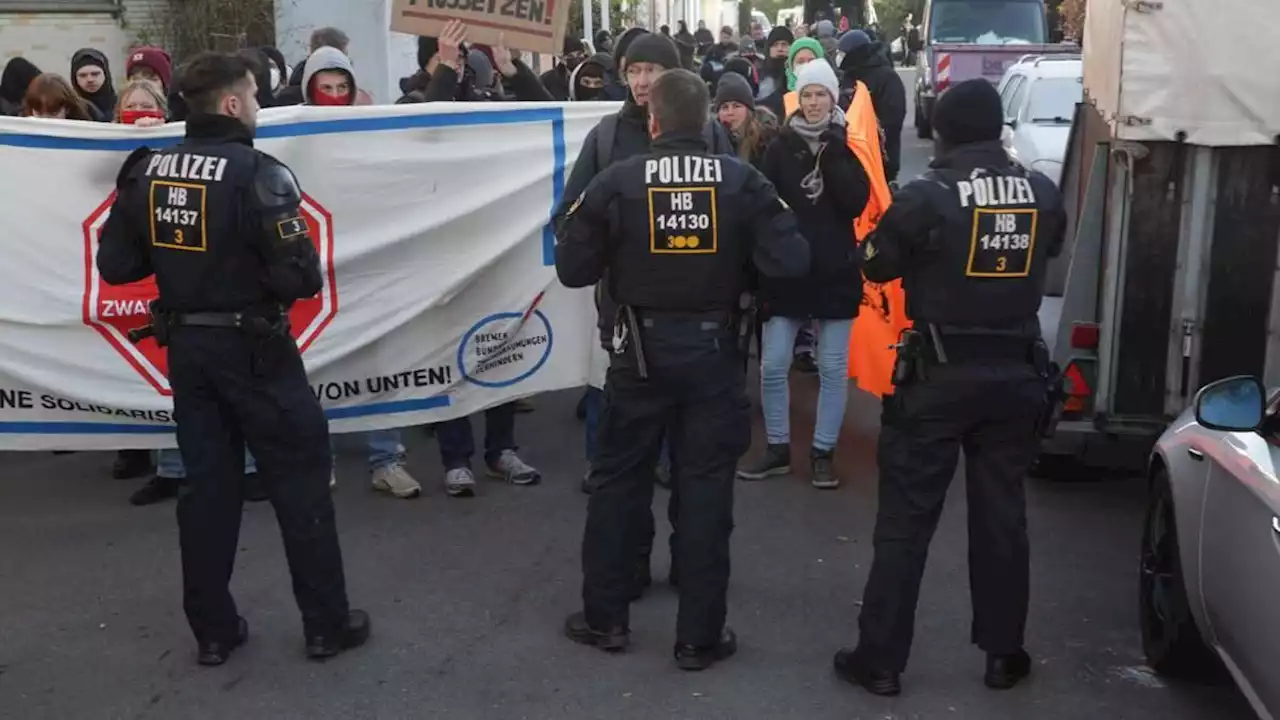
695 391
230 390
990 412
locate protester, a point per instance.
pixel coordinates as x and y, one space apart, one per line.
329 37
279 69
820 178
752 128
556 80
50 96
91 75
683 36
773 70
17 77
329 78
151 63
261 64
865 62
142 104
604 42
590 80
703 38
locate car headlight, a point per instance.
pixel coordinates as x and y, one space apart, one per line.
1050 168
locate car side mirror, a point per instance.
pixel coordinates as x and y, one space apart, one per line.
1234 404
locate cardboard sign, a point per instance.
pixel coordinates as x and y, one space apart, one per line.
534 25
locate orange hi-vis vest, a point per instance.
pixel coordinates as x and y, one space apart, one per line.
883 315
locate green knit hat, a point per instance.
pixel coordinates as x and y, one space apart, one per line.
805 43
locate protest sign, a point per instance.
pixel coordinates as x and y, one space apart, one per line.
534 25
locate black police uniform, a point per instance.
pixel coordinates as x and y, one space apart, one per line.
217 223
970 239
673 233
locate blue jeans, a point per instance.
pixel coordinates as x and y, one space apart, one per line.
384 449
595 404
833 373
458 442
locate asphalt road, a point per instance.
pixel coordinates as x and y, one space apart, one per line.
468 597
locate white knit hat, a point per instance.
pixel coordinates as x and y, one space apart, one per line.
818 72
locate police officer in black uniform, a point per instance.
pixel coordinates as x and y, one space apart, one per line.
217 222
970 239
676 229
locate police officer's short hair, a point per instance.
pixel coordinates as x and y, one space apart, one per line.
679 101
207 77
329 37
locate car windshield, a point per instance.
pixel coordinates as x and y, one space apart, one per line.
1053 100
988 22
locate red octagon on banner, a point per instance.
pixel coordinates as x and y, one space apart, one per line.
114 311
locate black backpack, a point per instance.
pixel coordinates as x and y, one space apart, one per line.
607 130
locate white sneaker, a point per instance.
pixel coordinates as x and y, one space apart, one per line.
333 479
511 468
460 482
394 479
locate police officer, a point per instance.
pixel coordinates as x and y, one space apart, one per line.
672 232
970 239
217 222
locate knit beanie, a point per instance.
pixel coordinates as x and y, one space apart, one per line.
969 112
743 67
656 49
623 42
804 43
819 73
780 33
154 58
734 88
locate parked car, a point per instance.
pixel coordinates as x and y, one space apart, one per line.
1210 560
1039 94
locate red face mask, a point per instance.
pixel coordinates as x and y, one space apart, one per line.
320 98
131 117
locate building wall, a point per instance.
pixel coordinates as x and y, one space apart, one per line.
49 39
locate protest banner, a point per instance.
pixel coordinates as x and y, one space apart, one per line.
431 220
534 25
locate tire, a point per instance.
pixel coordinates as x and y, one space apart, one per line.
924 128
1171 641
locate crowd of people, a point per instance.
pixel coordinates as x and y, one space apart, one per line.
748 76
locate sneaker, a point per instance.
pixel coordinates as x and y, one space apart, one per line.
460 482
158 489
587 487
804 363
508 466
130 464
776 461
394 479
824 472
662 476
333 479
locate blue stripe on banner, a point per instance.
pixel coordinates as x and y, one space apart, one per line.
93 428
554 115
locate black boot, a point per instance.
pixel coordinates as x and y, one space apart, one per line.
217 652
1006 671
877 682
252 490
643 578
354 633
158 489
131 464
776 461
822 464
578 630
693 658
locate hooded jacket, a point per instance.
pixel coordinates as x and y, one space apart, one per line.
14 81
600 60
262 75
327 58
102 104
867 64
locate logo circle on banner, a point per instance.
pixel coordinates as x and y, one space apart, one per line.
500 361
115 310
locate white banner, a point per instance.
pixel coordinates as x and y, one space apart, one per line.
431 221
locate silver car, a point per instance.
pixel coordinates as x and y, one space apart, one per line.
1210 567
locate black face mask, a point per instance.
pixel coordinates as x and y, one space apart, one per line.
572 61
586 93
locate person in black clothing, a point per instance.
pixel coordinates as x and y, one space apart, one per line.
17 77
672 232
236 373
773 70
260 63
444 73
91 77
971 240
591 79
556 80
866 62
821 179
